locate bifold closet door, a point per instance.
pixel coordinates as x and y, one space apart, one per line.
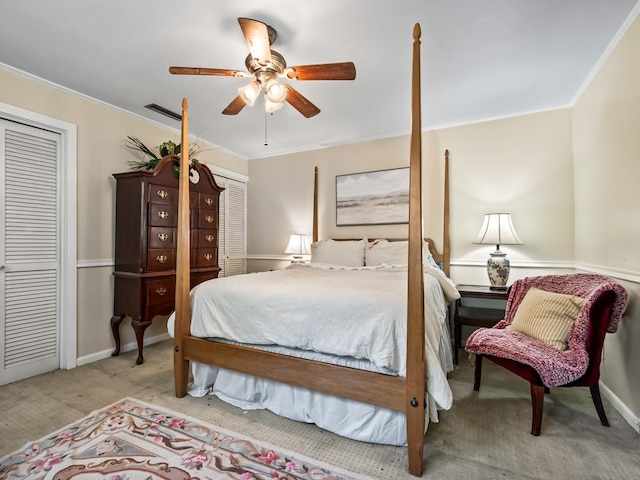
232 244
29 251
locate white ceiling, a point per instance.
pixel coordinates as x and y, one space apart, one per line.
480 60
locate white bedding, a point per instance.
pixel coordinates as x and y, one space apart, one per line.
352 313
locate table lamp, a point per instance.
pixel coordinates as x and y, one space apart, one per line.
497 229
297 247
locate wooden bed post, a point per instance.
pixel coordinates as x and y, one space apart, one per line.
416 368
446 251
182 325
315 204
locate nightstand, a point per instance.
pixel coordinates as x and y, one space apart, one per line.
473 315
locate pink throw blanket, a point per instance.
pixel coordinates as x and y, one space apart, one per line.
554 366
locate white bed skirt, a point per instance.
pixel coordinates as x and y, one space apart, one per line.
344 417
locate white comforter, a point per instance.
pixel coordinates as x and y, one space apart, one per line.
355 312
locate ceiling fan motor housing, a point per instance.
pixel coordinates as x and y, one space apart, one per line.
270 69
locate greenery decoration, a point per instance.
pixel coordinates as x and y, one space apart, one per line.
151 158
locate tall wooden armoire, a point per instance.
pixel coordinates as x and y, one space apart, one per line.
145 242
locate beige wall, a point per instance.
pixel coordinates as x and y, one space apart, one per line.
521 165
607 170
101 131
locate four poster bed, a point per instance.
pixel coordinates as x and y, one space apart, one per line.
386 388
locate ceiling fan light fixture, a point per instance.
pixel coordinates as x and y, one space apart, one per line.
270 106
249 92
275 91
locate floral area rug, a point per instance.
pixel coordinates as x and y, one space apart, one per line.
133 440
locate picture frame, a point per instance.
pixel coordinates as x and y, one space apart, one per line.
380 197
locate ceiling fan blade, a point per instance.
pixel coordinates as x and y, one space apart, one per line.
323 71
206 71
257 36
301 103
234 107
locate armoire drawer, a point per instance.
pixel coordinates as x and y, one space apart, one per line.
160 259
163 194
160 291
163 215
205 257
162 237
207 239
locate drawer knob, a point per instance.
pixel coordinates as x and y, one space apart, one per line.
161 291
162 194
208 201
210 238
208 257
163 215
161 258
209 219
163 237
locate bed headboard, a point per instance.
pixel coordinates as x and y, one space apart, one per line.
442 259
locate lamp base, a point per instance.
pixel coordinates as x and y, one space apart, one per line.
498 267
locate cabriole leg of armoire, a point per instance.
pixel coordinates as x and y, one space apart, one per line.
116 320
139 326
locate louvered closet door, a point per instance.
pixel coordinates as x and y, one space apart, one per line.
29 251
233 220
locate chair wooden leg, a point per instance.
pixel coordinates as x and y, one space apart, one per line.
597 401
478 373
537 402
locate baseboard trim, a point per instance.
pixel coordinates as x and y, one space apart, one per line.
620 407
94 357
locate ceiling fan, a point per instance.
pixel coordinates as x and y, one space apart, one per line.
265 66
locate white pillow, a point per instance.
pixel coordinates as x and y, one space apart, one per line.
383 251
349 253
395 253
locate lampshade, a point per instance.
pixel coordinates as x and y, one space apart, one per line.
297 246
497 229
249 92
271 107
275 91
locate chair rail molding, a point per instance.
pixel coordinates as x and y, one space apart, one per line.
617 273
97 263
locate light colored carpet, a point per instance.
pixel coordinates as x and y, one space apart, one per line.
484 436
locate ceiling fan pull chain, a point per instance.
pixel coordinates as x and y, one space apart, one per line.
266 141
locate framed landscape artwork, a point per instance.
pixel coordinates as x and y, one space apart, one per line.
373 198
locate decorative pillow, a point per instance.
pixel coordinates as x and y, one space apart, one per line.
427 258
349 253
394 253
547 316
